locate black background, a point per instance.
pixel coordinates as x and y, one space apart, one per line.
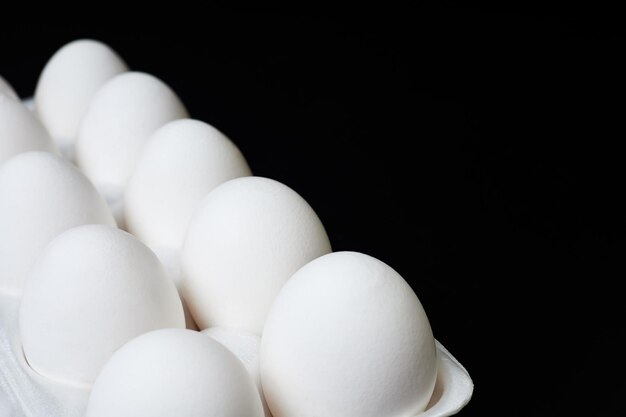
478 152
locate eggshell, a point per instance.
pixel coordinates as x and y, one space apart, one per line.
245 346
67 84
170 259
6 89
174 373
248 236
41 195
29 103
123 113
347 337
20 131
93 289
181 162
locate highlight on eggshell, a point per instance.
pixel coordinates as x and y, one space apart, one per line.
247 237
93 289
180 163
347 337
245 346
20 131
67 85
122 115
6 89
174 372
41 195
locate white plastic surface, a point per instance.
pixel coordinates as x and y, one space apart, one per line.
23 393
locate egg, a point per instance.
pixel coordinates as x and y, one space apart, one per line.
67 84
174 372
94 288
245 346
41 195
181 162
347 337
123 113
20 131
6 89
29 103
170 259
248 236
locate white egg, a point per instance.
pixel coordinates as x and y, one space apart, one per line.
123 113
29 103
93 289
20 131
245 346
174 373
347 337
248 236
67 84
170 259
41 195
181 162
6 89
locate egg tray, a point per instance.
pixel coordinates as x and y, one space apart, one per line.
24 393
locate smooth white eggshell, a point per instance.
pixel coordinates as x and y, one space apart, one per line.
170 259
6 89
248 236
174 373
93 289
123 113
67 84
181 162
20 131
347 337
245 346
41 195
29 103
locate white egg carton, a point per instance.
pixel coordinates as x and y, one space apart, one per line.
24 393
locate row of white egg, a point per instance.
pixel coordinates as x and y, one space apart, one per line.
334 334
